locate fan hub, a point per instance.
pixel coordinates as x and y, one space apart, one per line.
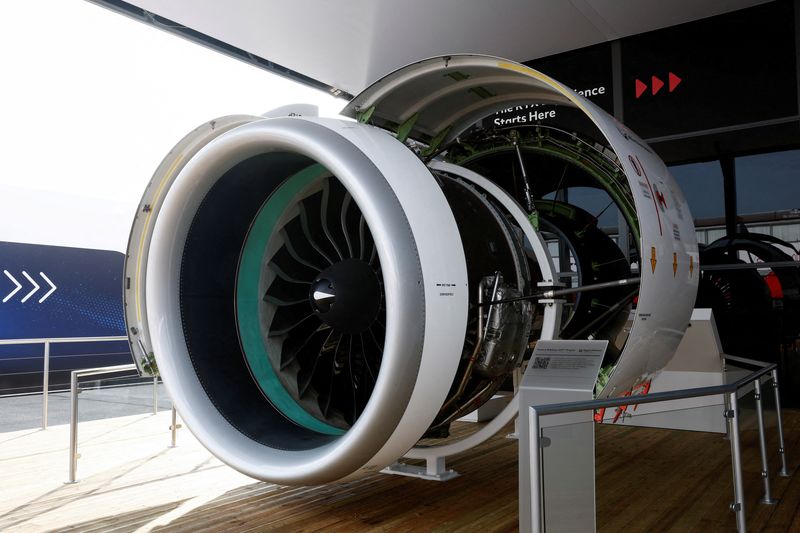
347 296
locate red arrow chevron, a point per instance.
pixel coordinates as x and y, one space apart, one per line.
656 83
673 81
640 88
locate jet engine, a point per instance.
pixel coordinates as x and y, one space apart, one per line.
319 295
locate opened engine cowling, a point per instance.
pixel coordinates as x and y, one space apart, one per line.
313 291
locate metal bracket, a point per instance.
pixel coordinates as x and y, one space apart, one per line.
404 130
433 471
364 116
729 413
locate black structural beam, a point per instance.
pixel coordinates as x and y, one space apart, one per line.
729 183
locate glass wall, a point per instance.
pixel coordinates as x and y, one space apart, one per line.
768 182
702 184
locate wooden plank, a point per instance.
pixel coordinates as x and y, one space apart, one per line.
647 480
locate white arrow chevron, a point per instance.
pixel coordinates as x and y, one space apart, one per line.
35 287
17 283
52 289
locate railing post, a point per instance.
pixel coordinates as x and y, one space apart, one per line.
784 471
727 408
762 444
45 382
535 471
73 427
174 427
736 458
155 395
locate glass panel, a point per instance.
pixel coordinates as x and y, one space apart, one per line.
702 185
635 455
568 471
638 461
759 228
714 234
597 202
787 232
113 397
701 237
768 182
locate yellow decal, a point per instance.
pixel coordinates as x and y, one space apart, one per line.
691 266
569 93
674 264
653 260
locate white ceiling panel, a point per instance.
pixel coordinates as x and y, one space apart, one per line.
348 45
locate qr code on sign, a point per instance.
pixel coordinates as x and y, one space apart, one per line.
541 362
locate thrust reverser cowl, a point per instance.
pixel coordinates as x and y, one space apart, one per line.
304 286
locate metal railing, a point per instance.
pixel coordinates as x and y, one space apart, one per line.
73 403
46 364
731 414
75 375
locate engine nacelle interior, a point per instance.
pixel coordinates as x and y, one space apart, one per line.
317 293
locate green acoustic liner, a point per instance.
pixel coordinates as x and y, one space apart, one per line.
248 300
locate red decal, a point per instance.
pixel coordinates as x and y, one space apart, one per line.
620 410
658 215
674 80
656 83
640 88
599 414
644 388
661 199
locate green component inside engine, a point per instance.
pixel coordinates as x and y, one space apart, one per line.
248 300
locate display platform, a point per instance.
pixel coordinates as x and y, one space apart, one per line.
129 479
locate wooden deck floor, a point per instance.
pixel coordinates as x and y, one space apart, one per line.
647 480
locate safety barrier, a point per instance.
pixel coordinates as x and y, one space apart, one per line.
73 420
731 414
47 342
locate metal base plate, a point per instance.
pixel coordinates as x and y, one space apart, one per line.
403 469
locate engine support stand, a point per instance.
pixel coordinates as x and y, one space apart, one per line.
435 469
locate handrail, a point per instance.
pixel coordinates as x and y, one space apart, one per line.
60 340
590 405
731 414
73 421
47 341
750 266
